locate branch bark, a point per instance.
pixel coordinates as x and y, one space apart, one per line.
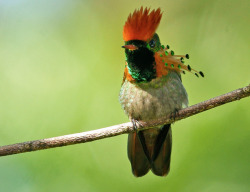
122 128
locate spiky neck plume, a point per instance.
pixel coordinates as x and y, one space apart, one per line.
166 61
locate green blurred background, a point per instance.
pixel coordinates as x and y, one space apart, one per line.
61 67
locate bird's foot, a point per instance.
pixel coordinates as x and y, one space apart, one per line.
173 114
136 124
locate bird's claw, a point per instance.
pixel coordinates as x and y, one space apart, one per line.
173 114
136 124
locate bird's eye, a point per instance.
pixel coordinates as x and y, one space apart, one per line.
152 43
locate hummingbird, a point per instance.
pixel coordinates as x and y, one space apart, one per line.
152 88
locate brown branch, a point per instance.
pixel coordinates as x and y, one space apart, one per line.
122 128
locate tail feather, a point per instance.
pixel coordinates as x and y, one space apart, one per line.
139 161
162 160
150 149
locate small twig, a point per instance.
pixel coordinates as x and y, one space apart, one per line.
122 128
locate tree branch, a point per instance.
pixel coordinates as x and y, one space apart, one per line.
122 128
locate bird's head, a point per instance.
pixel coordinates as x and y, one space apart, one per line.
146 58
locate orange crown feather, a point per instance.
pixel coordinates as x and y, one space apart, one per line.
141 25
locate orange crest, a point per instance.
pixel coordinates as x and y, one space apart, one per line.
141 25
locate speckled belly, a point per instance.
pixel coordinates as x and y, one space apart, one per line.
158 98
